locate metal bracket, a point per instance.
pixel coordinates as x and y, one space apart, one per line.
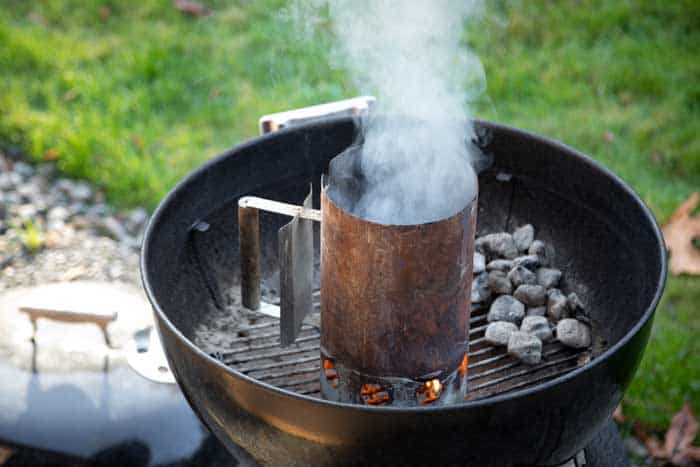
295 255
295 238
146 356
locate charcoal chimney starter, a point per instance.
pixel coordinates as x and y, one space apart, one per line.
395 305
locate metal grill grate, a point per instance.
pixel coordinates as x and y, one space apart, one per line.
258 354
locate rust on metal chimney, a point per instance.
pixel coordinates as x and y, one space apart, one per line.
395 305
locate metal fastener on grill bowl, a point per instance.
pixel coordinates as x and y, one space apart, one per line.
304 332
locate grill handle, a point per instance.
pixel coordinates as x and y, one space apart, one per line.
352 107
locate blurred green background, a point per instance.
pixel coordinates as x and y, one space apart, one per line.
133 94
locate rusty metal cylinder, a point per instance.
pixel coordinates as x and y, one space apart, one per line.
395 305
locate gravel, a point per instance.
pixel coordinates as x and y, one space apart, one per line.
112 228
526 347
137 219
23 169
68 216
531 295
498 333
58 213
573 333
506 308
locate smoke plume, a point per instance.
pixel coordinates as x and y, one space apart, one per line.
415 158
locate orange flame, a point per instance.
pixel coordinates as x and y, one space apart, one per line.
464 365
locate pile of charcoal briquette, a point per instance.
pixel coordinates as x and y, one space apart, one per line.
514 277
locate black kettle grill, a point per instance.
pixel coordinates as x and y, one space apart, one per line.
262 400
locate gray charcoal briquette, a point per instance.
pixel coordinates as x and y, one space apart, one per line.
529 261
573 333
520 275
506 308
496 245
531 295
556 305
480 288
523 237
499 282
548 277
526 347
498 332
537 326
504 265
536 311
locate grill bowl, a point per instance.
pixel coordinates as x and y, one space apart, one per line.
607 243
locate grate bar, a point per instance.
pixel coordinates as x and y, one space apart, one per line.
292 372
269 366
479 352
299 382
523 372
271 345
270 355
270 335
253 327
297 368
510 365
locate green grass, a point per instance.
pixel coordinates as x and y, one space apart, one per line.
136 99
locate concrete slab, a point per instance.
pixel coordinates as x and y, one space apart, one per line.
61 346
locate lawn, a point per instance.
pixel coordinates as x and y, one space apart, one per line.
134 94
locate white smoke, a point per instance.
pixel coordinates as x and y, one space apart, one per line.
410 55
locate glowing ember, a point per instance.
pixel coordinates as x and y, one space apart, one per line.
369 389
374 394
330 373
430 391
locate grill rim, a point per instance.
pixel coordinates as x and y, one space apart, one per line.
647 315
